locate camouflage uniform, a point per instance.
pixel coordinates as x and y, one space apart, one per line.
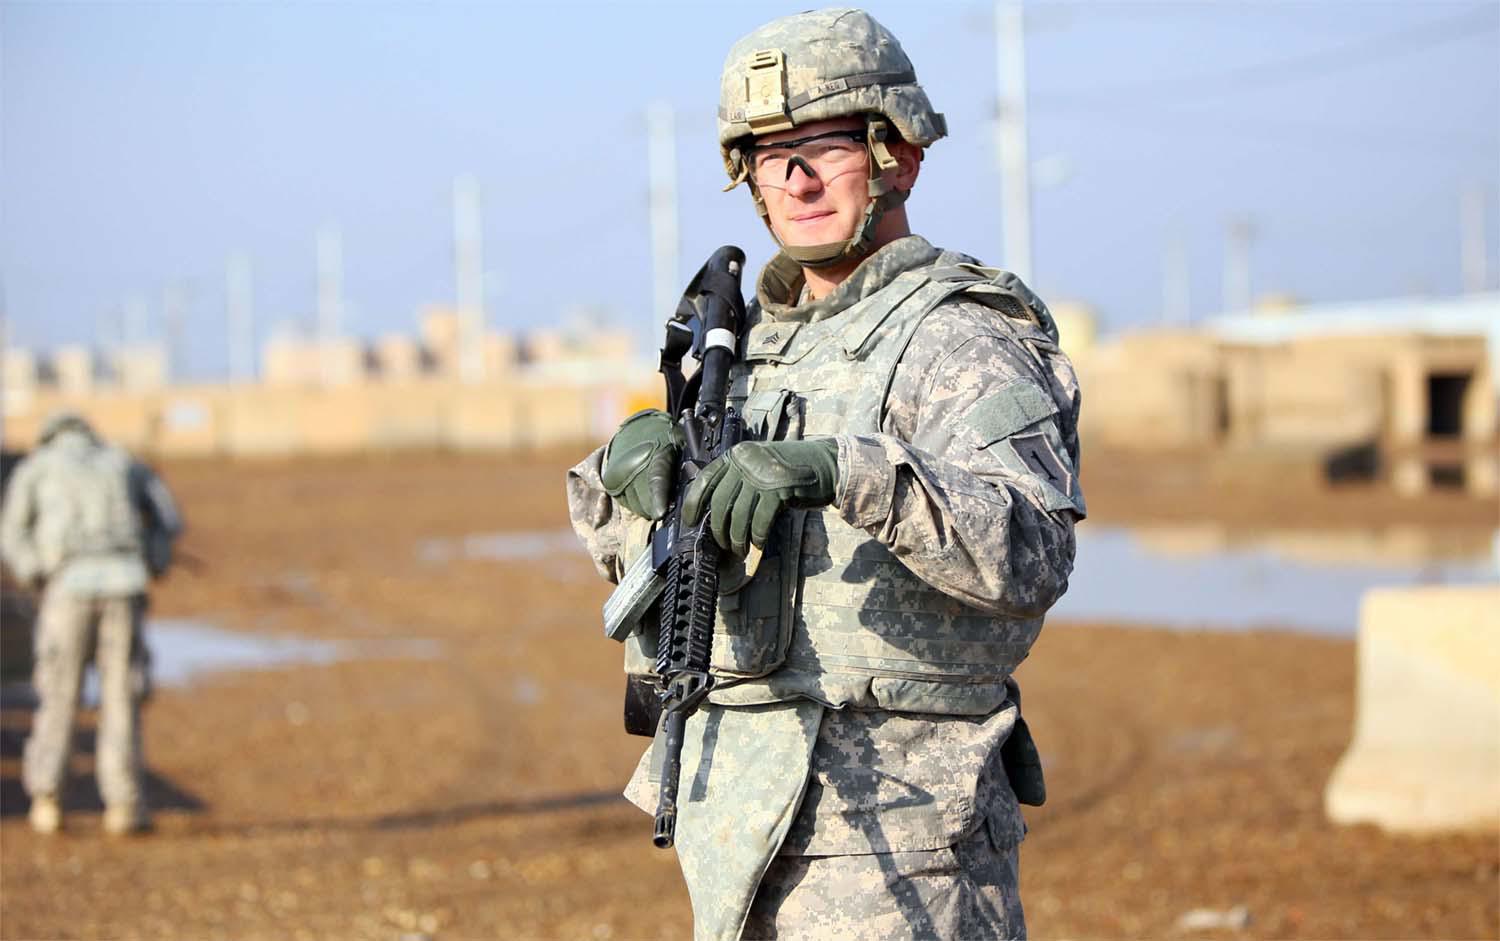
89 527
844 778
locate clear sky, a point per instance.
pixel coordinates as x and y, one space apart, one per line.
143 143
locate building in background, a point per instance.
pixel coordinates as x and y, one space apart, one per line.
342 394
1401 389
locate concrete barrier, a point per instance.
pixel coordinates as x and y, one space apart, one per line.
1426 750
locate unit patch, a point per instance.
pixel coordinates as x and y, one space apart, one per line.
1037 452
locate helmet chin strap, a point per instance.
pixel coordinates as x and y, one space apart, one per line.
883 198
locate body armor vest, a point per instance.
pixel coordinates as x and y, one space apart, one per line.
829 613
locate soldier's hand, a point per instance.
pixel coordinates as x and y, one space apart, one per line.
747 488
639 462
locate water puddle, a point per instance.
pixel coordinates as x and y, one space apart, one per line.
183 650
502 547
1203 576
1188 576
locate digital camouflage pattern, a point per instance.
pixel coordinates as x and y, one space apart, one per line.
88 526
71 630
816 66
835 63
941 484
963 891
84 517
744 772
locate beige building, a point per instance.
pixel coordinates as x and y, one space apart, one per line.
1402 389
345 396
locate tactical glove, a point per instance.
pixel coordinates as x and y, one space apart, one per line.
745 489
639 462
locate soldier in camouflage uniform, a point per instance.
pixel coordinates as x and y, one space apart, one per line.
87 527
904 509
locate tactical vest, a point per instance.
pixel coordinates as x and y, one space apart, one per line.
87 509
830 614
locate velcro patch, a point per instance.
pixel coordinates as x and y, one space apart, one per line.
1015 407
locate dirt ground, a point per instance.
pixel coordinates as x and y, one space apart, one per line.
469 788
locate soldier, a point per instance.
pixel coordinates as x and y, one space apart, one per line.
907 502
86 527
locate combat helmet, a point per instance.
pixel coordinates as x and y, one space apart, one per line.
816 66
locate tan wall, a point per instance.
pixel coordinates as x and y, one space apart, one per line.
74 368
265 421
19 378
1182 389
140 368
1149 390
1295 397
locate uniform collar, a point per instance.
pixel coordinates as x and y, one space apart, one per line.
780 285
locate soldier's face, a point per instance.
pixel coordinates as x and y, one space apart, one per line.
823 206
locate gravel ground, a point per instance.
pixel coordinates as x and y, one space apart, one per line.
472 791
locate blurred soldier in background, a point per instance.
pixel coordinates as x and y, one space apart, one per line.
911 490
87 527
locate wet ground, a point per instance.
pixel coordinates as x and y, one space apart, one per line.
447 763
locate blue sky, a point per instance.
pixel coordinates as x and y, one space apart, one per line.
143 143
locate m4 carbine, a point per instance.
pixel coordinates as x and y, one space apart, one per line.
676 580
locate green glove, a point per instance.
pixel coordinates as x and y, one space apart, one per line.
639 462
745 489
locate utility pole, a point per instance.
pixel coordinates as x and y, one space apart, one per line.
330 297
1241 236
468 261
134 328
239 290
1475 250
661 155
1176 287
109 332
174 315
1010 136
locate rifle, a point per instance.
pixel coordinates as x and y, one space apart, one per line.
678 573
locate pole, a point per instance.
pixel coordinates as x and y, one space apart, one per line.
468 262
1176 286
1237 296
1475 251
239 290
1010 136
330 297
134 328
173 313
661 154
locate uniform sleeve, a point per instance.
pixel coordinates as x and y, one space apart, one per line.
970 482
599 523
16 544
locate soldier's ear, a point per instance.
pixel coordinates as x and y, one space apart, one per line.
908 164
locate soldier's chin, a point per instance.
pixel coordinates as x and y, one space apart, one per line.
810 236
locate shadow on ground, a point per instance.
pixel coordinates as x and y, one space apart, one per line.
80 791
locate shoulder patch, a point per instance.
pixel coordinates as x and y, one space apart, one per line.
1044 461
1015 407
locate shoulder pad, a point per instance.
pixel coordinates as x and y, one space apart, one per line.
1001 291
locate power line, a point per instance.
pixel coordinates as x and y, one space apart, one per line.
1293 68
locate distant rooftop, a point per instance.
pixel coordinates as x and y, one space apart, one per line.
1460 315
1475 314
